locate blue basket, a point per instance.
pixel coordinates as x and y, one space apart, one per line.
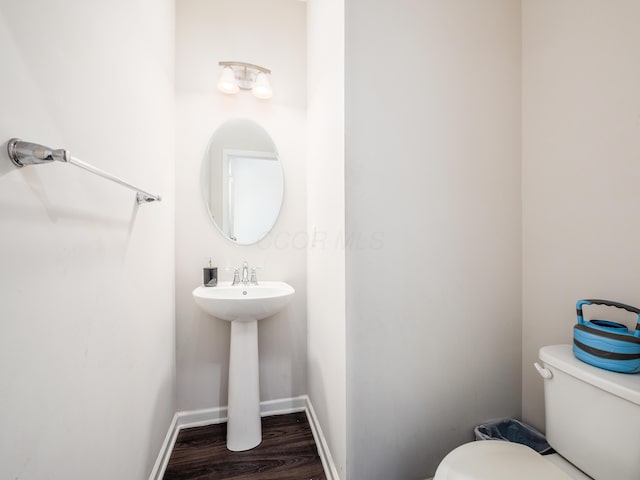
606 344
511 430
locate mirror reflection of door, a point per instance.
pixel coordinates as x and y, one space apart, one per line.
252 194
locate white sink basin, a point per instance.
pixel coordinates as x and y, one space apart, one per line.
243 303
243 306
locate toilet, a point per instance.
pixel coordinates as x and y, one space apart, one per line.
592 422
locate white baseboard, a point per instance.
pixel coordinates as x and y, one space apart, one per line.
165 451
211 416
329 467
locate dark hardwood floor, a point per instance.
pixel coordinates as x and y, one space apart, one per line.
287 452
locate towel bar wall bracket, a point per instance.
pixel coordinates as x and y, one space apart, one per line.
27 153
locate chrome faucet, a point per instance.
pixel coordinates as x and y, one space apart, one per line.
245 273
247 278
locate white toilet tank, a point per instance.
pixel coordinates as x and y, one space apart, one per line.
592 415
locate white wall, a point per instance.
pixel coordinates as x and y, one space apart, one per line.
87 329
433 193
581 163
325 224
270 34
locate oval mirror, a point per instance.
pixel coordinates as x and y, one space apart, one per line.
242 181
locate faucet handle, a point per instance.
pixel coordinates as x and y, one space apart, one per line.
254 277
236 276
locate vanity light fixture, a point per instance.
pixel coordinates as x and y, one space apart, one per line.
238 76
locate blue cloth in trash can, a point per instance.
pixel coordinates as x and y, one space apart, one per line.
512 430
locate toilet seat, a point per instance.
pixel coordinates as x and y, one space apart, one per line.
497 460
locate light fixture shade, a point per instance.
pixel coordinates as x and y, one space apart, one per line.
262 87
228 83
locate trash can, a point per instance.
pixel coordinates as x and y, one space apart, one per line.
512 430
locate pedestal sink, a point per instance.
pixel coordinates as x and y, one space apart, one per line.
243 306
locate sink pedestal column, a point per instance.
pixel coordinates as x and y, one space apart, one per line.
244 428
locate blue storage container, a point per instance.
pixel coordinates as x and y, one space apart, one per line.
606 344
512 430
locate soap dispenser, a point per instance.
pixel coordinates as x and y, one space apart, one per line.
210 275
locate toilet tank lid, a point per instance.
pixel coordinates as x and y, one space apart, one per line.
623 385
